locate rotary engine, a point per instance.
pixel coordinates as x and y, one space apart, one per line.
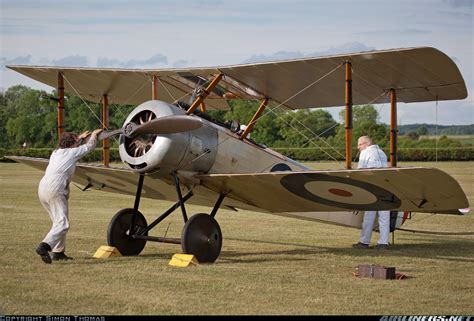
161 154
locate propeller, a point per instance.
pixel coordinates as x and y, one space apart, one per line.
157 126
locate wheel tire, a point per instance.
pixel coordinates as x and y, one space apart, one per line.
118 233
202 237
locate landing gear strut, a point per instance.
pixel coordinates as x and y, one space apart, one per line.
201 234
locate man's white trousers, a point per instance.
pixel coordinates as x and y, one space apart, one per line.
368 226
56 205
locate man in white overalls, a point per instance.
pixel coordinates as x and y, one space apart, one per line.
371 156
53 190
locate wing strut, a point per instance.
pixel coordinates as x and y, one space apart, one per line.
105 126
348 115
393 128
204 94
255 117
60 104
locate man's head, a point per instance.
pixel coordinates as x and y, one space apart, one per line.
67 140
364 142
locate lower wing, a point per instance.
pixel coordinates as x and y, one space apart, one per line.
403 189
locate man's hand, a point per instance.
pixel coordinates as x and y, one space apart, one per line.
97 131
83 135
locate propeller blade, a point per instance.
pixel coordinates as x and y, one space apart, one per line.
109 133
169 125
159 126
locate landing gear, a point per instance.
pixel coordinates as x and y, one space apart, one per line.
202 237
120 234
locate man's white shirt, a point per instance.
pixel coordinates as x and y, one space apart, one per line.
372 157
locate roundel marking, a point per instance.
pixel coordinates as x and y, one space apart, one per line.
340 192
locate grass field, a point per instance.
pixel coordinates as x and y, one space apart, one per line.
268 264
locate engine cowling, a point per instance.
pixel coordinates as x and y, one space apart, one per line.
162 154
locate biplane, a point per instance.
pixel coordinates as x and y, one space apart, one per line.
175 151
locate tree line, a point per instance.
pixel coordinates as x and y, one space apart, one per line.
431 129
30 115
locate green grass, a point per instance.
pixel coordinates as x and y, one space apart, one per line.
268 264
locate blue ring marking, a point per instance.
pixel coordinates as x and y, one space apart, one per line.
295 183
280 167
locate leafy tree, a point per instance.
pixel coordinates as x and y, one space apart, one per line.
265 130
421 131
365 123
29 117
413 135
298 128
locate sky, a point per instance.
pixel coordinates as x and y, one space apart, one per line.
178 33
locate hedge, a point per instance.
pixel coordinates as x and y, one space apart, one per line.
405 154
301 154
94 156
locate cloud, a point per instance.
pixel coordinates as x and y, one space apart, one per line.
20 60
83 61
348 47
280 55
72 61
459 3
399 32
181 63
153 61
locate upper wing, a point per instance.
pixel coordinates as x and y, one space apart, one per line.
418 74
403 189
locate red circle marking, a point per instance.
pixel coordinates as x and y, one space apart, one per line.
340 192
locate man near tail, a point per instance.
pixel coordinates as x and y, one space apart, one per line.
372 156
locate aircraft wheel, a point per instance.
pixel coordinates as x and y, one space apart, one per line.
202 237
118 234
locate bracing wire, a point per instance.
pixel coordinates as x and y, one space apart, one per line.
88 106
85 103
436 130
166 88
272 110
310 140
318 136
299 92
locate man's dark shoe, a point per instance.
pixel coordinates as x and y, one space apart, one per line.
360 246
61 257
381 247
42 250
